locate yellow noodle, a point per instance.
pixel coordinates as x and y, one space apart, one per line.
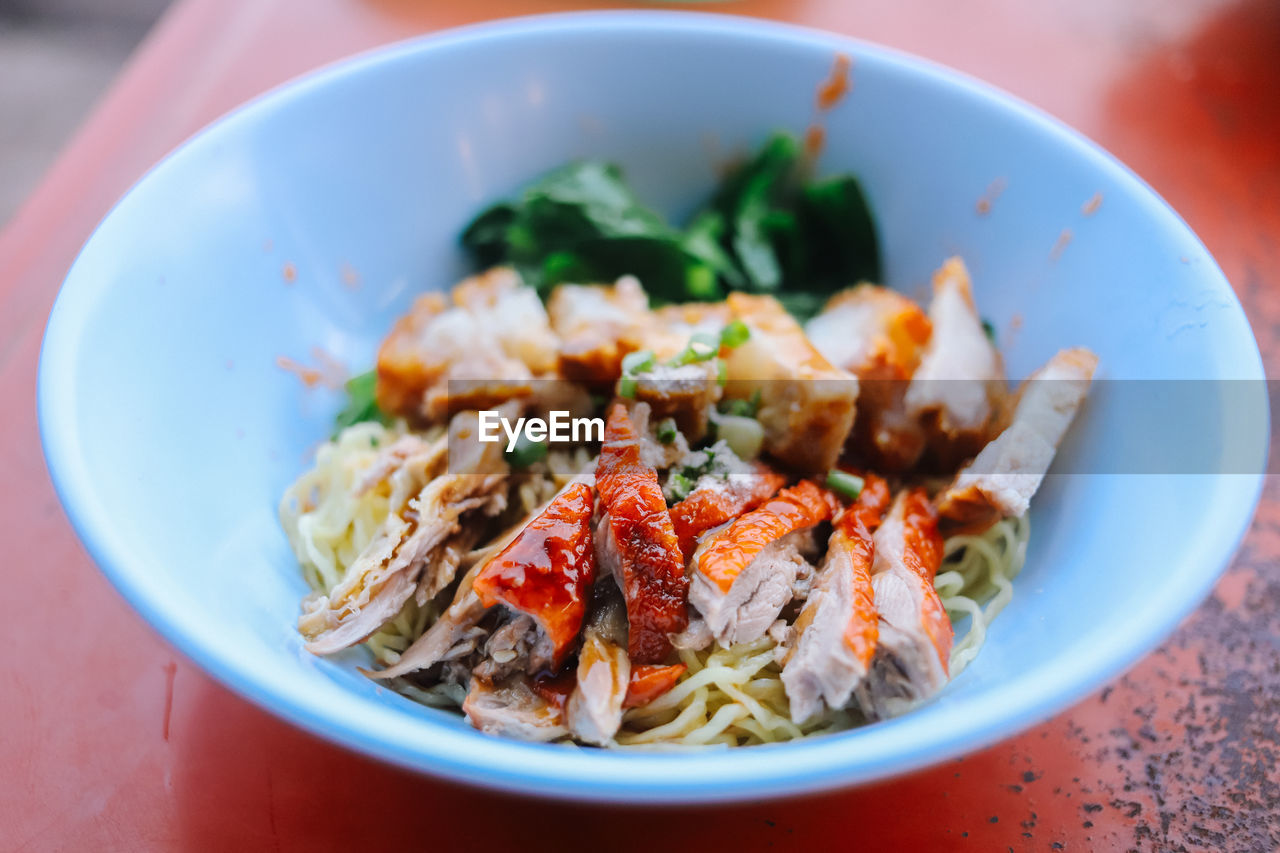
728 697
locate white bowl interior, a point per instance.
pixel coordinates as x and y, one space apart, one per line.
172 432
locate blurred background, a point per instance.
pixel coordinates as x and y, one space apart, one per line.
56 58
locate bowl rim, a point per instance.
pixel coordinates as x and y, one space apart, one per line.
597 775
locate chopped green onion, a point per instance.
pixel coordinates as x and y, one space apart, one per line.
702 347
637 362
666 431
722 374
526 452
741 408
989 328
678 486
627 387
844 483
734 335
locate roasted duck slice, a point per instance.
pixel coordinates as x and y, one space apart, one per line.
639 542
745 574
834 638
913 648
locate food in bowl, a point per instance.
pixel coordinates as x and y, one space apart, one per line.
742 501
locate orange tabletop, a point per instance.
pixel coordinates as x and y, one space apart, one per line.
111 740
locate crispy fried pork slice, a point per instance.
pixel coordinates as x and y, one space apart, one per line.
833 640
879 336
483 350
958 390
745 574
594 709
1002 479
598 324
806 404
428 505
513 708
640 543
914 644
684 392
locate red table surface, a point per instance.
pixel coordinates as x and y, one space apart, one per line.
110 740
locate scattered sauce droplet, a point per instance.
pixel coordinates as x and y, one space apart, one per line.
830 92
335 372
988 198
1060 245
350 277
837 85
328 373
309 375
1091 206
290 272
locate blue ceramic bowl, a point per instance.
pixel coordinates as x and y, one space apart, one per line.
171 432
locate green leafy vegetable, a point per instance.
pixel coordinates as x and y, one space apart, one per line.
989 329
362 403
844 483
766 229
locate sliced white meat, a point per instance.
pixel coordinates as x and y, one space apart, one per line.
806 404
594 709
1004 476
412 539
958 390
513 709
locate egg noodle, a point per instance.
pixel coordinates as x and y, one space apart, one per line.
729 696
